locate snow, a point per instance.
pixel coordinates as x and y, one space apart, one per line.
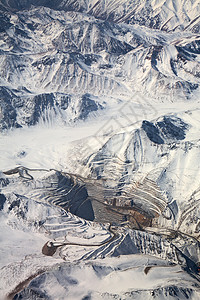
46 145
20 255
109 149
19 243
119 276
50 147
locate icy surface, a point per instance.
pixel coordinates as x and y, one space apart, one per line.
99 149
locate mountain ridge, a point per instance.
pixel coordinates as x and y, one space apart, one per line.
156 14
81 55
99 140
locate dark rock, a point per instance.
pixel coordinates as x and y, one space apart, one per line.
152 132
21 154
154 57
4 22
87 106
41 103
2 201
168 130
15 203
31 294
172 128
85 211
7 111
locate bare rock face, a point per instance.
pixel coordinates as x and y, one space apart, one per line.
62 59
8 111
166 130
173 15
112 213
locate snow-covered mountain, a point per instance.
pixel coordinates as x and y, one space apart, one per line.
71 63
99 147
159 14
33 205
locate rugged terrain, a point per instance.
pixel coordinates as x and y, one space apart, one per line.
99 147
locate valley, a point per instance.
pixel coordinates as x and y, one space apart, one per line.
99 149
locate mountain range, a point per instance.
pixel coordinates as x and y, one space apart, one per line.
99 147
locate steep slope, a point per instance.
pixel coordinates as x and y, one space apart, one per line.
153 169
164 15
26 207
99 147
69 64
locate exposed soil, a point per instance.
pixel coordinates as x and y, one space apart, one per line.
49 251
22 285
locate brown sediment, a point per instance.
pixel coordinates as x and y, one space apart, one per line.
143 220
49 251
22 285
139 218
12 171
147 269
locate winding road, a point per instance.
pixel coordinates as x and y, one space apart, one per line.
50 250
